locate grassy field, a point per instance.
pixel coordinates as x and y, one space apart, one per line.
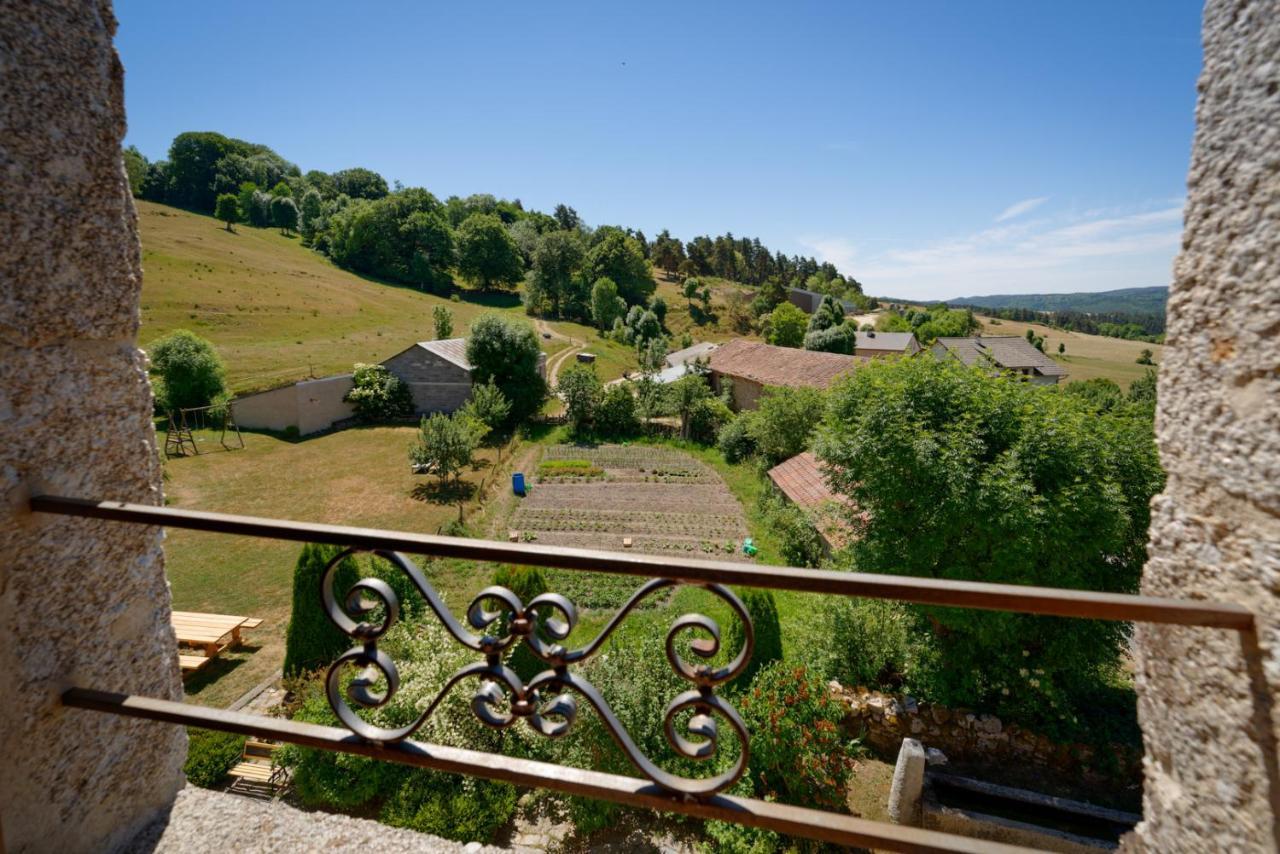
1087 356
355 477
278 312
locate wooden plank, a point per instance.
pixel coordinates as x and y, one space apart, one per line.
251 623
926 591
792 821
191 663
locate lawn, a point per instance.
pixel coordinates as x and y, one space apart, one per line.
275 310
358 477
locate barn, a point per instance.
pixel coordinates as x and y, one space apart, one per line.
437 373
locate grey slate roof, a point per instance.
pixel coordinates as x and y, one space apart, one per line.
450 349
899 341
1006 351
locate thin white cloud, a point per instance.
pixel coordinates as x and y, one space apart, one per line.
1040 255
1019 208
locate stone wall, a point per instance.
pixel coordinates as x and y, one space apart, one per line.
1211 779
437 384
965 736
81 602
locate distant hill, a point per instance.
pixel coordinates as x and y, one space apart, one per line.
1123 301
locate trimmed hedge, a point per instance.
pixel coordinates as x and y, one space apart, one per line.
210 755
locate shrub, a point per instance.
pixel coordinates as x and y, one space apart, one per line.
735 440
581 391
616 414
785 421
706 417
506 351
451 806
569 468
526 582
800 542
189 369
312 640
833 339
210 755
799 755
971 477
378 395
787 326
870 643
767 631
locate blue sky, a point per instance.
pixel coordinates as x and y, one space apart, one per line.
931 150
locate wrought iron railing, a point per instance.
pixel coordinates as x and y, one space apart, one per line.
549 701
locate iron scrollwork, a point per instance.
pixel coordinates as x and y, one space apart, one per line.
549 702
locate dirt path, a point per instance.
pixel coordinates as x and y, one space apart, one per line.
557 361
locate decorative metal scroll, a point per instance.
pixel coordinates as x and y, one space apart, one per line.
547 702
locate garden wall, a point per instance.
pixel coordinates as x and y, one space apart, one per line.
310 406
966 736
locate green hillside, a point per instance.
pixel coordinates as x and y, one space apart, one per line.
278 312
1122 301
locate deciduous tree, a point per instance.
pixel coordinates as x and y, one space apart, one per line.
227 209
487 255
787 326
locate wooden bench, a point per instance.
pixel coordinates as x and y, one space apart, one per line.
211 633
255 765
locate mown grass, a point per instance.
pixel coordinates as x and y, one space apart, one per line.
1087 356
355 477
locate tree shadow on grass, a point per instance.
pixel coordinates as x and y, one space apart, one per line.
449 492
220 666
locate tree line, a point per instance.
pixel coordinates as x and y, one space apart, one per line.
408 235
1112 324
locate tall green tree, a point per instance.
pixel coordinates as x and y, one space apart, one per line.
444 447
189 371
488 406
487 255
284 214
606 305
312 641
553 279
617 256
581 391
359 183
442 322
227 209
787 326
135 166
310 213
506 351
958 475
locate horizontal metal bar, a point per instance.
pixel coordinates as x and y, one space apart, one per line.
924 591
789 820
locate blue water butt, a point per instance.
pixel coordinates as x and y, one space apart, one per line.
517 483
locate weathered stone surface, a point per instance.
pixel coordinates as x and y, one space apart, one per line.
1215 530
217 822
908 783
81 602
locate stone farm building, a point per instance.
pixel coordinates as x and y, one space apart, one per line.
437 373
1004 352
751 366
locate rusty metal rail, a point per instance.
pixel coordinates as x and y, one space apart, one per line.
548 702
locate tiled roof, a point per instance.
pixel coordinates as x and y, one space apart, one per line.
801 480
450 349
1006 351
780 366
899 341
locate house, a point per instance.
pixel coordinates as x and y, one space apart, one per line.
751 366
1004 352
437 373
688 354
887 344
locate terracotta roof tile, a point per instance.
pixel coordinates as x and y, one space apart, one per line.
781 366
801 480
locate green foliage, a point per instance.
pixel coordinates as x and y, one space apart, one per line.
1143 389
451 806
1145 357
581 391
555 285
401 237
834 339
312 641
771 296
488 406
870 642
970 477
828 315
359 183
766 629
210 755
227 209
1101 393
616 414
527 582
617 256
784 421
378 395
606 306
201 165
506 351
284 214
787 325
135 167
487 255
735 440
442 322
444 446
799 755
189 369
891 321
310 214
798 538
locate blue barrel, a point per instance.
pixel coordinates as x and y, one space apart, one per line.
517 483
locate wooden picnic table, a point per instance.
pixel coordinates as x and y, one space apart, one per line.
211 632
